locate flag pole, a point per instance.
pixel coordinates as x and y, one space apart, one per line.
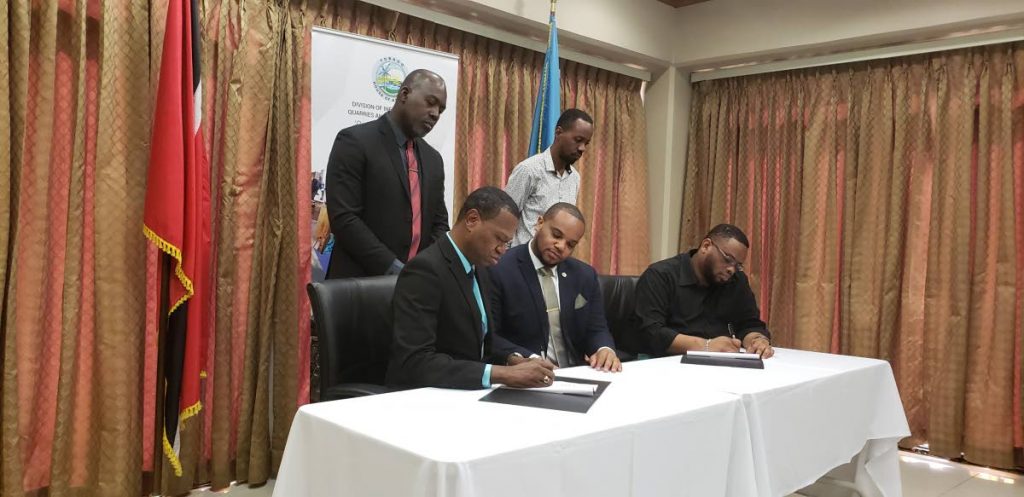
546 107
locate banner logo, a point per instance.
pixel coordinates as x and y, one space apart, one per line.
388 75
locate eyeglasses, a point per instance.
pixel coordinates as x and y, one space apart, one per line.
730 260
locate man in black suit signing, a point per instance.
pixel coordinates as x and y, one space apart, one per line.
442 324
385 185
546 304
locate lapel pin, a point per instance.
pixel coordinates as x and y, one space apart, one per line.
564 275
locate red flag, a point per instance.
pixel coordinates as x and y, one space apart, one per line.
177 217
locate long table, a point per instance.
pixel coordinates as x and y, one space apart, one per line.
661 428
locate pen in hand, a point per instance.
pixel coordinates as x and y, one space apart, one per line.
732 334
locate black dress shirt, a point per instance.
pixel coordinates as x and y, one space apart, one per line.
670 301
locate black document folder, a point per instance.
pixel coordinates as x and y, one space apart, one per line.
753 362
545 400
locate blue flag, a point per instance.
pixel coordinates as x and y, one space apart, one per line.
549 96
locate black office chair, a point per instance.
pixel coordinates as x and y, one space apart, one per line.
618 293
352 319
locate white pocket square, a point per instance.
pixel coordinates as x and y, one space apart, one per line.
580 302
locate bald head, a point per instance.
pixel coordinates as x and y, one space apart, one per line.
420 102
420 77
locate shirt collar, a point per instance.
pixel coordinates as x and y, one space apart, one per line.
399 135
686 275
549 163
465 262
537 263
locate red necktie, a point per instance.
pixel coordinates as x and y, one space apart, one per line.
414 198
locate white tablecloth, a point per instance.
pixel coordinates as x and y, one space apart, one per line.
661 428
808 413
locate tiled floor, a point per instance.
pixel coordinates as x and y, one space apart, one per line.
923 476
239 491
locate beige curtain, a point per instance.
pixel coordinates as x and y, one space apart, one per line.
256 111
885 204
78 313
613 193
497 86
75 122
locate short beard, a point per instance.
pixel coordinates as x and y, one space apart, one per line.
708 273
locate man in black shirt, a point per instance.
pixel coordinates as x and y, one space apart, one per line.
701 300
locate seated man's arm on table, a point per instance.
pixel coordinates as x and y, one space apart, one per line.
654 292
600 350
747 321
511 360
512 367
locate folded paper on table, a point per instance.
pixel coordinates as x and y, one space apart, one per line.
544 399
700 358
731 355
564 387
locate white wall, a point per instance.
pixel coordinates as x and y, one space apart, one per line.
640 26
653 35
738 30
592 32
667 104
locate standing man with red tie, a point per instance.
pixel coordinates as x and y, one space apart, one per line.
385 184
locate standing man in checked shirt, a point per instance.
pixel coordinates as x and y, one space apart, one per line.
548 178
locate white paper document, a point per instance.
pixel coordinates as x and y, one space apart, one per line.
565 387
723 355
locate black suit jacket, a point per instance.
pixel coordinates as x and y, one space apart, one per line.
521 321
438 334
368 200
